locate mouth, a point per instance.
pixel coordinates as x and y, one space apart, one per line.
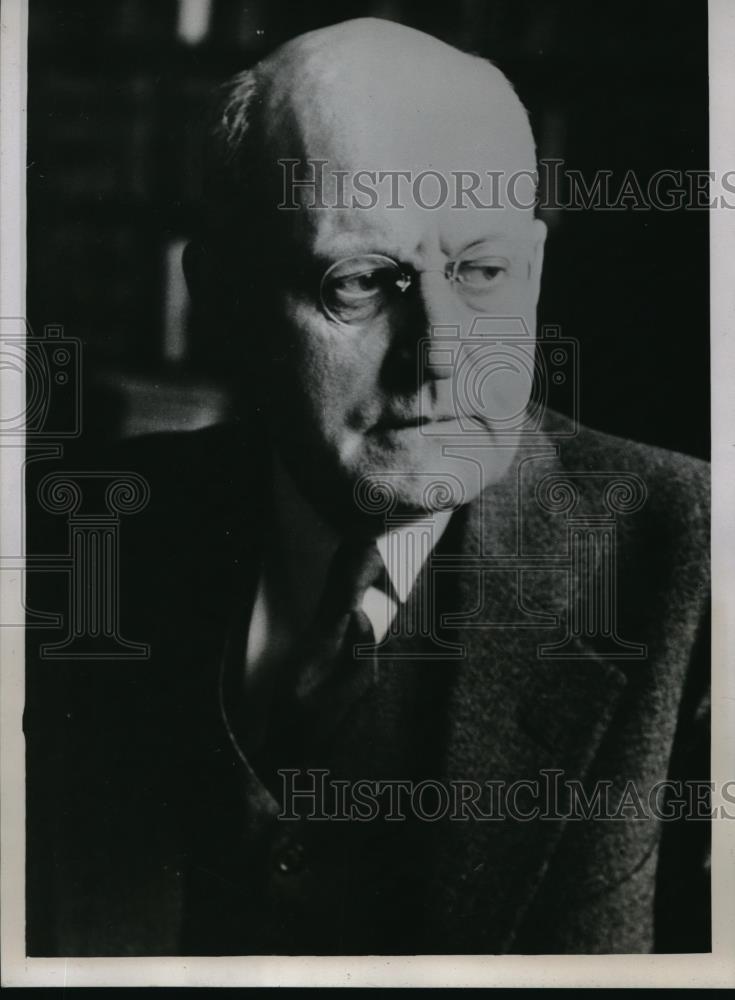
403 421
398 422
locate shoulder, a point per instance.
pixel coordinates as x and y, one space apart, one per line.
205 493
217 467
658 499
673 483
220 450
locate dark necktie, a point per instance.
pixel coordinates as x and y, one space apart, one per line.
335 663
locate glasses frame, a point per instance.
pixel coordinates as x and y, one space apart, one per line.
404 277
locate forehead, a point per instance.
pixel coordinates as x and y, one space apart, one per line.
437 184
409 232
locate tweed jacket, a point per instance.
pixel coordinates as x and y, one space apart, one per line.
565 658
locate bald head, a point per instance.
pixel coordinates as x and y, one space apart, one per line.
371 95
375 94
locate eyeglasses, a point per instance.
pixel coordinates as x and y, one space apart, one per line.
357 289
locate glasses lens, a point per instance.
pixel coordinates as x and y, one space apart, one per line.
354 290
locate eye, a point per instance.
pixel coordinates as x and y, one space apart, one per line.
354 288
481 274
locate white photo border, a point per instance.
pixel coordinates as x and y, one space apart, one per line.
709 970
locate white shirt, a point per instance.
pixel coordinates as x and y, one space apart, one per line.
297 557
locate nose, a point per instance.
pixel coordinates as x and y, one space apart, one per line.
431 305
437 299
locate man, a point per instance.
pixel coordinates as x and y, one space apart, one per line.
406 625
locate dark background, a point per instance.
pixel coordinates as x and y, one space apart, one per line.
115 95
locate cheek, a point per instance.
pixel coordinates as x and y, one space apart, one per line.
495 376
330 368
517 300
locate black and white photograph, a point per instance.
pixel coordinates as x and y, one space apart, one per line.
363 471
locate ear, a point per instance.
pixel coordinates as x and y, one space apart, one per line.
537 258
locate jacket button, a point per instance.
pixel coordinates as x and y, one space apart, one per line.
289 859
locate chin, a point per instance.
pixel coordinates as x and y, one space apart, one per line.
426 480
415 476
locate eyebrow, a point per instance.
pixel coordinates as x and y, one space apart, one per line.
361 249
495 238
